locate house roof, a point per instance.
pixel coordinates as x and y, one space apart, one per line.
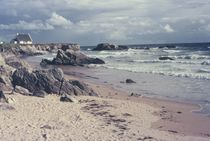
23 37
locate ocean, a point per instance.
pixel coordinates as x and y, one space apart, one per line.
191 61
184 78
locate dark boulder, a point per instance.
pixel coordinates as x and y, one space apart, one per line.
130 81
36 80
64 58
165 58
107 46
22 77
73 58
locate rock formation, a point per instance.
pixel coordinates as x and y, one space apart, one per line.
107 46
43 82
70 57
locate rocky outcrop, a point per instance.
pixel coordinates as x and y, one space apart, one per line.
17 75
165 58
107 46
20 50
36 49
55 47
43 82
70 57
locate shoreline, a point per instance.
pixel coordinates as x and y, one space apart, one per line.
179 123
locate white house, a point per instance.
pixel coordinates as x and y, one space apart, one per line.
22 39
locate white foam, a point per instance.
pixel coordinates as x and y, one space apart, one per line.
162 72
193 57
172 51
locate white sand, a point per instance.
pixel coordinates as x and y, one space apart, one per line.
49 119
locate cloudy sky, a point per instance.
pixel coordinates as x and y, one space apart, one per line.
89 22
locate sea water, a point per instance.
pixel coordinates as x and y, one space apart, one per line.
185 78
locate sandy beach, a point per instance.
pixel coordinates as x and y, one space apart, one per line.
114 115
113 70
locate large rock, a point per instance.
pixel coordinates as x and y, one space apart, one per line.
129 81
73 58
21 50
43 82
107 46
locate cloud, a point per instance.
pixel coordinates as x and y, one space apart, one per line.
121 21
59 21
23 25
168 28
54 21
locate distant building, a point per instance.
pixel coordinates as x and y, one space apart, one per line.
22 39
